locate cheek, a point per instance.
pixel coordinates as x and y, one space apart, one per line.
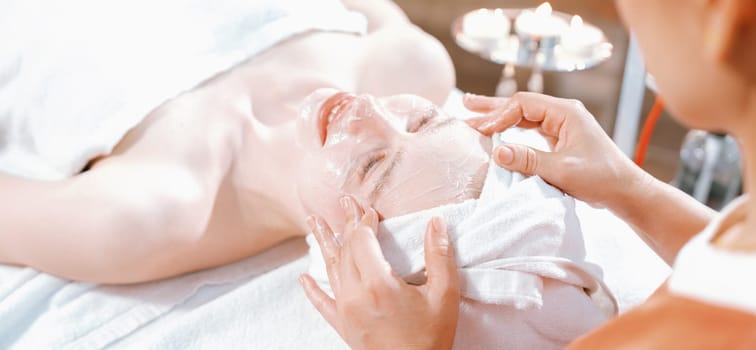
323 202
315 187
435 177
414 193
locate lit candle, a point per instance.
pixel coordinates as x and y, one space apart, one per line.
581 38
487 25
540 23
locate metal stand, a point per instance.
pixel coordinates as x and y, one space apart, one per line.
631 100
539 54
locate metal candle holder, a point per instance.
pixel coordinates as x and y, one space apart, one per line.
522 50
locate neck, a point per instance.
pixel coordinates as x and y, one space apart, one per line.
269 179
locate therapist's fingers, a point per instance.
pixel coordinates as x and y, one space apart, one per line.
529 110
441 268
348 271
353 213
548 111
498 120
482 104
368 257
325 305
329 249
526 160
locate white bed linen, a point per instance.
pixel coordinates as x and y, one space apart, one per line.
259 306
255 303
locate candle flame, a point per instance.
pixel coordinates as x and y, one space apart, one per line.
576 22
543 9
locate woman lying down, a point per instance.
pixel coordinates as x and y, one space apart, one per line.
518 243
97 184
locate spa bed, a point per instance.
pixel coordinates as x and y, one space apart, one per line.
254 303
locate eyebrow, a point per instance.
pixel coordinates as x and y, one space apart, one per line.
385 177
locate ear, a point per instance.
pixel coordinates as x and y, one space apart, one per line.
726 22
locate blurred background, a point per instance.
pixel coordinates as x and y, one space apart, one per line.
598 88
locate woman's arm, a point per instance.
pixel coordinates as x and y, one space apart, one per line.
586 164
102 226
665 217
137 213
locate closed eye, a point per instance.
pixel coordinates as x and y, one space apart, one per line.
370 163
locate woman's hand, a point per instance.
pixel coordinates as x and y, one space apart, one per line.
373 308
584 161
586 164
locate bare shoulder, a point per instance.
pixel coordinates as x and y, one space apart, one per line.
402 58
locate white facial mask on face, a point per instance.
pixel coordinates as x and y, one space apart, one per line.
431 176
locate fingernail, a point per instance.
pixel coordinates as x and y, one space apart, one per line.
440 236
344 202
504 155
319 225
438 224
350 205
310 221
371 217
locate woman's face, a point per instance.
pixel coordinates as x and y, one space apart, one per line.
673 35
397 154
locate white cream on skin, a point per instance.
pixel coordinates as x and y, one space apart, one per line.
444 161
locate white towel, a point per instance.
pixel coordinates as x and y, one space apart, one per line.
518 245
76 75
39 311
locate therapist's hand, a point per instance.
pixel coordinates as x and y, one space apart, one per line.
584 161
374 308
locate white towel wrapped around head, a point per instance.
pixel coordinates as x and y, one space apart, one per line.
520 258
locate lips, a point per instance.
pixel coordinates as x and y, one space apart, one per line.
331 110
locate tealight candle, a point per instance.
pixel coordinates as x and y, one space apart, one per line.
540 23
581 38
486 25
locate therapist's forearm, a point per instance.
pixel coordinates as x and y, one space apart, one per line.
665 217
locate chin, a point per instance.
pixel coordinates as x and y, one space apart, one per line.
691 119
